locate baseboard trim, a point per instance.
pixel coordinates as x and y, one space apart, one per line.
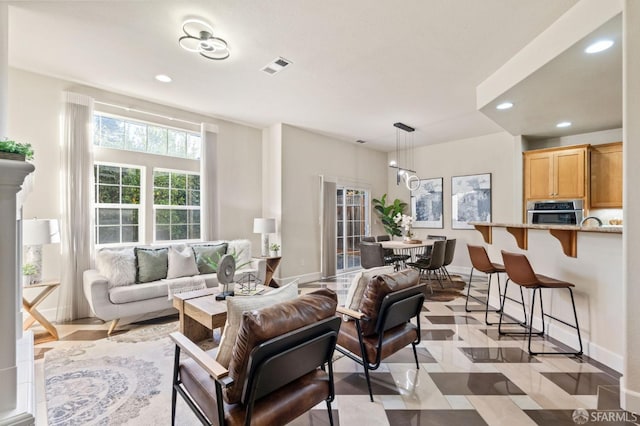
629 400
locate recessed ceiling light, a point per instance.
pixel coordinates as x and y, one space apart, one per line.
163 78
505 105
599 46
563 124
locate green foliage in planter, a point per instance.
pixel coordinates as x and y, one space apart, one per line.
17 148
388 212
274 247
29 269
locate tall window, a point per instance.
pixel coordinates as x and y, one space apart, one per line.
117 195
176 203
352 224
131 135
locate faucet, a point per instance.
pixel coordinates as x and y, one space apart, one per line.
591 217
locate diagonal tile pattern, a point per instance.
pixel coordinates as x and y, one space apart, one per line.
468 375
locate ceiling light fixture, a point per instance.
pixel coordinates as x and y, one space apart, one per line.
199 38
599 46
563 124
403 173
163 78
505 105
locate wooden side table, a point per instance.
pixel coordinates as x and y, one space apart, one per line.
272 265
47 287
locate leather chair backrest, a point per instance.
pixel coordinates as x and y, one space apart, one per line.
368 239
519 269
285 358
449 251
436 237
371 255
437 254
399 307
383 238
479 258
379 286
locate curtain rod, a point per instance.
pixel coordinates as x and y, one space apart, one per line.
166 117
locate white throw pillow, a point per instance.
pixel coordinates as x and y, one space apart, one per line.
359 284
237 305
182 263
119 266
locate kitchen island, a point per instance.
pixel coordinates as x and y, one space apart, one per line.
566 234
589 257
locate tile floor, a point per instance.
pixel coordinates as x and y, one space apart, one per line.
468 375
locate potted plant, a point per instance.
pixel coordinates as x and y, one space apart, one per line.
388 213
12 150
29 270
274 249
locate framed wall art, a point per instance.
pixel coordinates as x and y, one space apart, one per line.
426 204
470 200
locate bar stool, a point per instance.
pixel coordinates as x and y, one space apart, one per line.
519 271
481 262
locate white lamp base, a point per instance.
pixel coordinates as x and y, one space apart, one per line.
265 245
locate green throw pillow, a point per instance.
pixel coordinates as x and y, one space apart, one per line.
208 251
151 264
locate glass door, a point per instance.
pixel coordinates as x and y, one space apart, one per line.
352 223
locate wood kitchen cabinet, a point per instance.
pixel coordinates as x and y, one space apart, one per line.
557 173
606 175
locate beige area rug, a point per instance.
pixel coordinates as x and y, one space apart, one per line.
452 289
122 380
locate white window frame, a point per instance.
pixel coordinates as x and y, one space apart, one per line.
140 207
170 207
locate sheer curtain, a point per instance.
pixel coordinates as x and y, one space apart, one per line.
328 220
209 217
76 181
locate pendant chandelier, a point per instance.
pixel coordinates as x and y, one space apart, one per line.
404 168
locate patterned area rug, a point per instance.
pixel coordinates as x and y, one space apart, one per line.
123 380
452 288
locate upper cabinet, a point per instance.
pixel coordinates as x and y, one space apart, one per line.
606 176
555 173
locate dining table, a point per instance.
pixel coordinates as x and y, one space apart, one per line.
412 248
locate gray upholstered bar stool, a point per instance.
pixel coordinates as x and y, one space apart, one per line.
519 271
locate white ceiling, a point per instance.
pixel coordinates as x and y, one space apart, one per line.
358 66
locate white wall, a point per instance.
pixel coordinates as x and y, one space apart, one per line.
593 138
35 108
498 154
306 156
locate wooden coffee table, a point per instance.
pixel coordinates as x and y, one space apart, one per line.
201 313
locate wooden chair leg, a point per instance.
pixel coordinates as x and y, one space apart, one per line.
113 326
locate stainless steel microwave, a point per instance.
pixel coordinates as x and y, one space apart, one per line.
552 212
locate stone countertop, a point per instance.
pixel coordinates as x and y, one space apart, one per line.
609 229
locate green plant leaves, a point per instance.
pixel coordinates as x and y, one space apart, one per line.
388 212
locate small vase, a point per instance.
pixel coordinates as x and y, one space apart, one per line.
273 253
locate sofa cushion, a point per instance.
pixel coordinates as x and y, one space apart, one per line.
151 264
237 305
119 266
208 252
360 282
378 287
181 263
261 325
135 293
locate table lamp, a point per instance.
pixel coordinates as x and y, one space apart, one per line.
264 226
35 233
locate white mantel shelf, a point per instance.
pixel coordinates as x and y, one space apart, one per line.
566 234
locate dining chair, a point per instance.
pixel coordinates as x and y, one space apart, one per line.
433 264
427 250
371 255
449 252
391 257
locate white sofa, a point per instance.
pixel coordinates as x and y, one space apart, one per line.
111 302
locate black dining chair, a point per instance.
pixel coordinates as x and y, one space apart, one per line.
371 255
433 264
427 250
391 257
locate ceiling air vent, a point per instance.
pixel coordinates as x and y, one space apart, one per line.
276 66
361 141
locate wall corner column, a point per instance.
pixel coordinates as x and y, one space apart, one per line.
630 385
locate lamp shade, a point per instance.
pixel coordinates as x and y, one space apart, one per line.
40 231
263 225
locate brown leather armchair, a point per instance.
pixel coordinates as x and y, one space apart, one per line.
382 326
277 371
